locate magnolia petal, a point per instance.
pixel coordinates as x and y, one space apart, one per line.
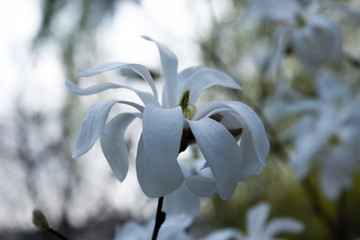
280 225
93 125
251 121
251 164
137 68
157 168
202 186
114 146
204 78
256 218
144 96
221 152
277 54
306 147
183 76
254 143
169 63
210 108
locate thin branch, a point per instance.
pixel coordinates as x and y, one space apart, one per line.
160 218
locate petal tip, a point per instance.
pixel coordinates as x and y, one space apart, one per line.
147 38
76 154
83 74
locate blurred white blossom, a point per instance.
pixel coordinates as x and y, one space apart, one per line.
256 226
313 37
328 130
168 128
174 228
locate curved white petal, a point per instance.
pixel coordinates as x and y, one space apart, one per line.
209 109
157 168
144 96
113 143
251 164
202 186
254 143
227 233
169 63
204 78
256 218
256 131
221 152
306 147
183 76
280 225
93 125
277 54
138 68
230 119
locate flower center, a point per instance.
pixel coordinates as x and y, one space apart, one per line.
334 140
300 20
187 108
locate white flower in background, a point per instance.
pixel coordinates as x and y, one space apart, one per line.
328 130
171 126
174 228
313 37
256 226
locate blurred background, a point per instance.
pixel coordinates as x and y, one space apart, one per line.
43 43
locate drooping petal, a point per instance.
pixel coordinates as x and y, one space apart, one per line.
113 143
157 168
204 78
169 63
138 68
281 225
221 152
256 218
202 186
251 121
93 125
251 164
144 96
254 143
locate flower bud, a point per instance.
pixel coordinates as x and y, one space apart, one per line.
40 220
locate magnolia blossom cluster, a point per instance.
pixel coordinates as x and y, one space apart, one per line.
177 227
228 133
328 130
301 28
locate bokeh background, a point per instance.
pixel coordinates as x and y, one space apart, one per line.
43 43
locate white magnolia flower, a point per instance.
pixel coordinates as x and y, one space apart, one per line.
313 37
169 127
328 130
255 226
174 228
